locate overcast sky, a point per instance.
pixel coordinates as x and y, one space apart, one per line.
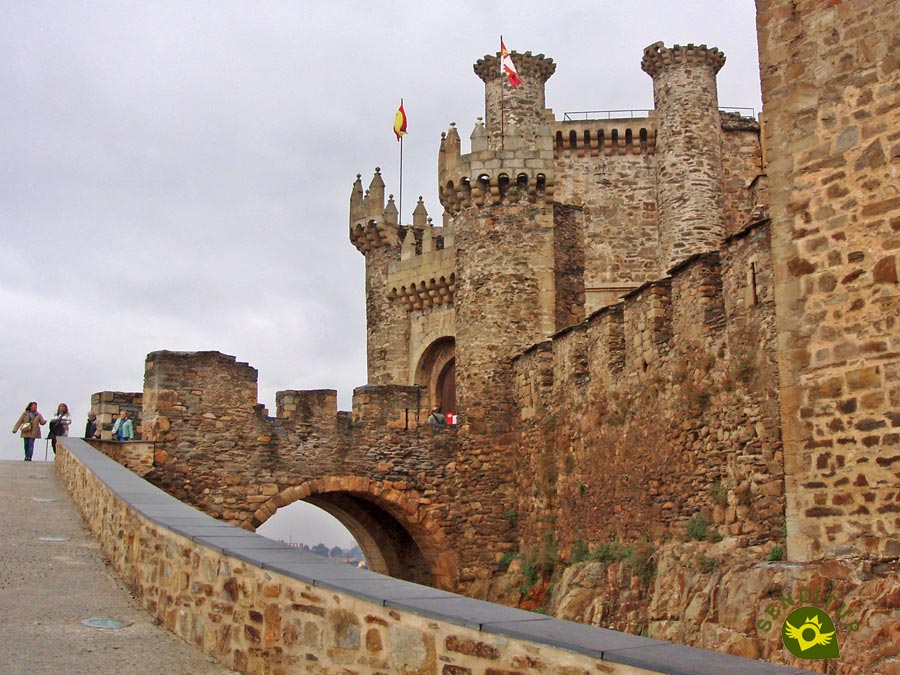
176 175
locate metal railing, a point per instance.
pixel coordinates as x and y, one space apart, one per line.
575 116
605 114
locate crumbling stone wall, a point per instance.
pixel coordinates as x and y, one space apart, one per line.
831 98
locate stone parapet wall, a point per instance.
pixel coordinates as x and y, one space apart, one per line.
136 456
263 607
659 410
620 230
741 166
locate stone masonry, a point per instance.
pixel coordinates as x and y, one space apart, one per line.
643 328
831 95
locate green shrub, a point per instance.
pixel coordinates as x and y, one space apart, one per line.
507 558
777 553
707 565
641 562
549 554
610 551
580 551
697 528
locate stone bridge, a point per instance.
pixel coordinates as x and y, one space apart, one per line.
261 606
413 496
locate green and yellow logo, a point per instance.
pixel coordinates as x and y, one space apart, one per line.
809 633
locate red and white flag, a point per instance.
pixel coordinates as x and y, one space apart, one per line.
507 67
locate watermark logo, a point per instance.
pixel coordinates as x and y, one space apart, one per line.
809 633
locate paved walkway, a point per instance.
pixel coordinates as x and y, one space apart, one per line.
48 587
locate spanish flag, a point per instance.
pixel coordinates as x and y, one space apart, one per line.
400 121
507 67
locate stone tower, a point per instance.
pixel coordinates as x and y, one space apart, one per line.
500 201
688 148
519 107
373 230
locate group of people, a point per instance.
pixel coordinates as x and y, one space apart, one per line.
30 422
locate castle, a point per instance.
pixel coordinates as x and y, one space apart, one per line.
648 328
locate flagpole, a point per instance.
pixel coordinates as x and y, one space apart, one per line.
502 113
400 206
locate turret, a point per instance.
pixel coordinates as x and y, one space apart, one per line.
688 148
523 105
374 230
372 224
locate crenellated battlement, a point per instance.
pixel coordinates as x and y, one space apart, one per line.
657 57
528 65
605 137
520 171
424 294
425 275
373 224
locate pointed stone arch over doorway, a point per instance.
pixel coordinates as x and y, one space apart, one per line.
436 373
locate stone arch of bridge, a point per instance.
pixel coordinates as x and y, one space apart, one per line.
396 534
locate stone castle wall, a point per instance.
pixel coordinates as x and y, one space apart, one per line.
658 409
831 97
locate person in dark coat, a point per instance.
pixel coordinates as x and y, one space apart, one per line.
90 429
59 424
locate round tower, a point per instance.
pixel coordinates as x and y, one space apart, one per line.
690 194
374 232
522 107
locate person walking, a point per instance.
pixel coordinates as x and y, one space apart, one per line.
123 429
29 427
59 424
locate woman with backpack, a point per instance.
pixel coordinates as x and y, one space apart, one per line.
29 426
59 424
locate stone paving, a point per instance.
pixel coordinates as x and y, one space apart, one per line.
48 587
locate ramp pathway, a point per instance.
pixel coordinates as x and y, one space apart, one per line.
52 577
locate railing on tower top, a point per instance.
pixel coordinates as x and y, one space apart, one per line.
605 114
637 112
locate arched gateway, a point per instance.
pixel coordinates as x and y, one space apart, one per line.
396 536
